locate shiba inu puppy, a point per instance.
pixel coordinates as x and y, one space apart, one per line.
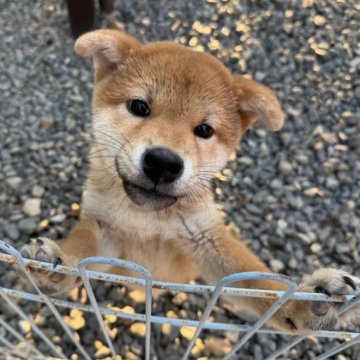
165 120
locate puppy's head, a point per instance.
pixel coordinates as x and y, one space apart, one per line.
167 117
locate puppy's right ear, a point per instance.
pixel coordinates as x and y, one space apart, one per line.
255 101
108 47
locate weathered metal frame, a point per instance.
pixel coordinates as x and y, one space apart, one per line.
11 255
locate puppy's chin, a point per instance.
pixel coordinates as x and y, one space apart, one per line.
148 199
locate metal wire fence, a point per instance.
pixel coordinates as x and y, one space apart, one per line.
14 344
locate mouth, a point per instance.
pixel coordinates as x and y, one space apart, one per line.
145 197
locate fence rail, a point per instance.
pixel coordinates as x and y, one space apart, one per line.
28 350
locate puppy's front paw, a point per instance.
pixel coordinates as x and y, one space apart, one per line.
320 315
46 250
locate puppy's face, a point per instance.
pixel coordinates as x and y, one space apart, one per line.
166 117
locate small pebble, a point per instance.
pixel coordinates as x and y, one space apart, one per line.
75 320
179 298
285 167
315 248
57 219
27 226
31 207
14 182
187 332
319 20
217 346
131 356
24 326
277 265
138 329
38 191
138 296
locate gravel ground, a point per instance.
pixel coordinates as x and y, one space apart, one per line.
295 194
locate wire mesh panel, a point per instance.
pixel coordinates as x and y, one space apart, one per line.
15 342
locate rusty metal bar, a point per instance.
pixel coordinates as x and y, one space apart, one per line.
196 289
164 320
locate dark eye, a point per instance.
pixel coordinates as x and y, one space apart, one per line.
204 131
138 107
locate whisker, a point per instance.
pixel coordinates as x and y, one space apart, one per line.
97 151
106 145
121 148
101 157
110 136
116 140
198 194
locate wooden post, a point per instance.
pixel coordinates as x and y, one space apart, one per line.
81 15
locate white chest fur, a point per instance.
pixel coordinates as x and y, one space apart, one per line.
148 238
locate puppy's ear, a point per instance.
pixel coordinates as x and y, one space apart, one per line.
108 47
256 101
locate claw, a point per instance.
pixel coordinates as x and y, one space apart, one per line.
321 290
291 324
349 281
57 262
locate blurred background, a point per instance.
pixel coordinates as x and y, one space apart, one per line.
294 194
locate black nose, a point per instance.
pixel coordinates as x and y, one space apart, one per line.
161 165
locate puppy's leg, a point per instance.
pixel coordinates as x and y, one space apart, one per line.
81 243
222 254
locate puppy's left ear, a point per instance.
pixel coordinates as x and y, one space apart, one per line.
256 101
108 47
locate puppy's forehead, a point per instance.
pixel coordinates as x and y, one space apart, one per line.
170 68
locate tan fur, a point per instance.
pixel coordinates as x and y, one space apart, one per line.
188 238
